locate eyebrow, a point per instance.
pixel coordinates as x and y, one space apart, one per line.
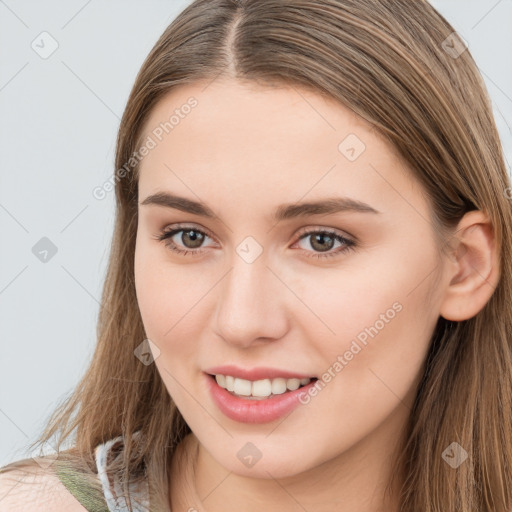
326 206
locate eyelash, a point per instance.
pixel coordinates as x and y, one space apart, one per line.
165 235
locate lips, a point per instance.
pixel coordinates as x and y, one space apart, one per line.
258 373
245 410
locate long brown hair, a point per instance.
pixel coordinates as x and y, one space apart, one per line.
391 62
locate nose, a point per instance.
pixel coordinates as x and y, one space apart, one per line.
251 305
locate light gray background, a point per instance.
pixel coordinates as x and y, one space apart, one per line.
58 122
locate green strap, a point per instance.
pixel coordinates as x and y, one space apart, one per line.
76 486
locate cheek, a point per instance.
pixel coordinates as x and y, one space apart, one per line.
153 293
163 303
374 315
167 295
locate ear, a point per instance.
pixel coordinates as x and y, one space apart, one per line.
473 268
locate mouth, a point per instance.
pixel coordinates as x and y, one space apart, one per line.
258 401
263 389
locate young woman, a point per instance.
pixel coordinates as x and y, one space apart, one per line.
308 300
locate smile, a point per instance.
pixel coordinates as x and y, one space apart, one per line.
247 401
259 389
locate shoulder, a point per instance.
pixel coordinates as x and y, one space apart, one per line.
32 488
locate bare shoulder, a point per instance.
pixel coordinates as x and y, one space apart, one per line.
34 489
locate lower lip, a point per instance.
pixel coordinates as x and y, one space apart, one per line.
255 411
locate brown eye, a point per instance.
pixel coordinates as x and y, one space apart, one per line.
192 239
323 241
183 239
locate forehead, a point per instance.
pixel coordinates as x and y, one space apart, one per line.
248 111
231 136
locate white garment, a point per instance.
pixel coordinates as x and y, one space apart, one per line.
112 490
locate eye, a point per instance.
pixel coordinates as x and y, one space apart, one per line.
191 238
324 240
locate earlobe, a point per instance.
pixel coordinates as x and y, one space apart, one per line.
473 268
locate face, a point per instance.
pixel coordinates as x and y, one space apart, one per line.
257 284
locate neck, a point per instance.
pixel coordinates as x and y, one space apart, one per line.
358 479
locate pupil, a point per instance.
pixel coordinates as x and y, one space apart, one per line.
321 238
195 238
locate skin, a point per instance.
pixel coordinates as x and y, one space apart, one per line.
244 150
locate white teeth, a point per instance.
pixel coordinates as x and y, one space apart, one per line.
242 387
293 384
230 383
278 386
260 388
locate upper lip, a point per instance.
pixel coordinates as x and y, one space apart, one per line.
258 373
